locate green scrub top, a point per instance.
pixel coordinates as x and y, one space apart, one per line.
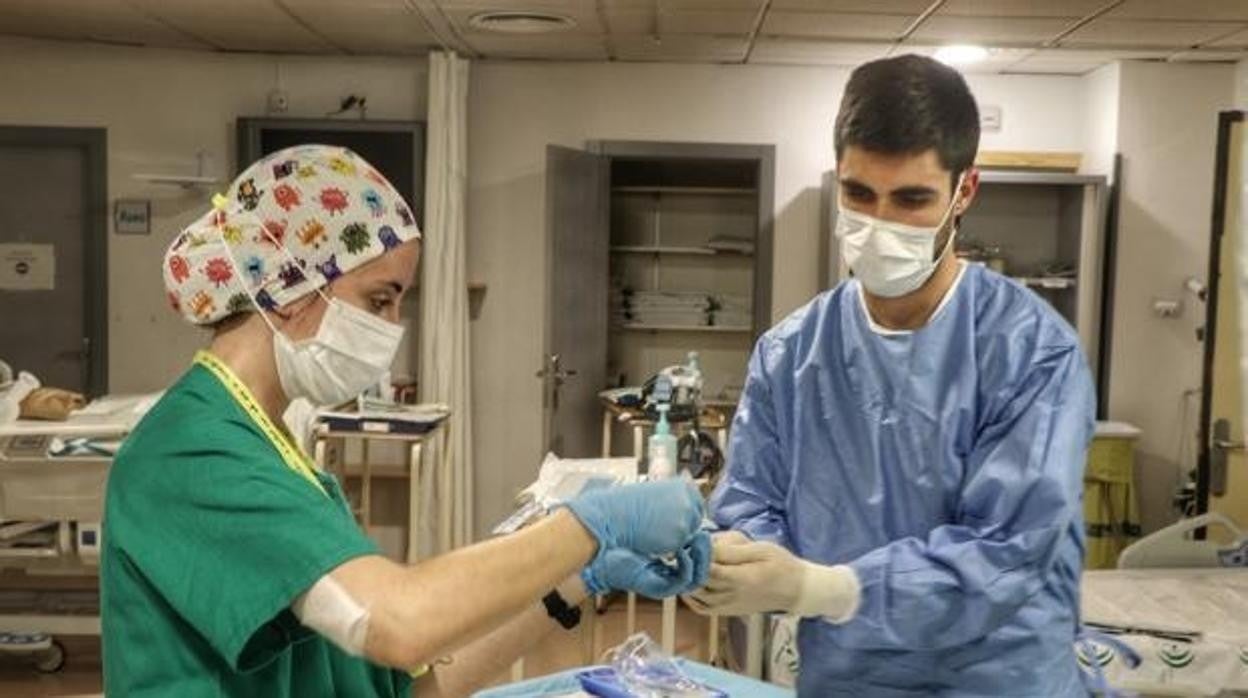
209 535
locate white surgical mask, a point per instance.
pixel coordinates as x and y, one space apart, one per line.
891 259
351 351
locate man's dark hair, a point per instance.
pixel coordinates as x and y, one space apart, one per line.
907 104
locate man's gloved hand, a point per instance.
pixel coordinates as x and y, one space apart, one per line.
654 518
748 577
625 570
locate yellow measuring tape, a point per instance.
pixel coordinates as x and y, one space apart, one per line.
294 459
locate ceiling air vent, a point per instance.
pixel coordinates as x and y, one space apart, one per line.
519 22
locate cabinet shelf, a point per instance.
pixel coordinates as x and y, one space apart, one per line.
718 329
692 191
1046 283
692 251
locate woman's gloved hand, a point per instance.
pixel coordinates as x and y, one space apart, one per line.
654 518
748 577
625 570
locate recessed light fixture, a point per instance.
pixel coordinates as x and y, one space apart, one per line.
961 54
520 22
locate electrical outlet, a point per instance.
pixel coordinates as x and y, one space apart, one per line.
279 103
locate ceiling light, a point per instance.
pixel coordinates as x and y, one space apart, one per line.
961 54
512 22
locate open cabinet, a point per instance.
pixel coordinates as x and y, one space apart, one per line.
656 250
1046 231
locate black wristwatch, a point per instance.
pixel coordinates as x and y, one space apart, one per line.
557 607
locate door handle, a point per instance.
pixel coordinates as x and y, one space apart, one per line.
554 371
1221 444
554 376
551 367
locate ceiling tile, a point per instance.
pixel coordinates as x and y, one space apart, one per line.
1078 61
680 49
1190 10
629 16
1029 31
998 58
580 47
837 26
1238 39
1202 55
266 28
1056 55
832 32
1019 8
708 5
809 51
1144 33
1042 67
556 6
630 21
706 21
104 20
388 26
886 7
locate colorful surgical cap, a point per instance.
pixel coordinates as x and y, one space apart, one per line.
290 224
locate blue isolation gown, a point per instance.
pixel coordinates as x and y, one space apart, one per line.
945 466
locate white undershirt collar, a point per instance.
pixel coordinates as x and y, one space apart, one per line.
944 301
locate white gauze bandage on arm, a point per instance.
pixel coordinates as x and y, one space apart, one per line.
330 610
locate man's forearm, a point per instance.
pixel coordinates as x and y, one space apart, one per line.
474 666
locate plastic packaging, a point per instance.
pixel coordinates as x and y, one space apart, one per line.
639 668
11 396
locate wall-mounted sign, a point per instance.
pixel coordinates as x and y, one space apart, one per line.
990 118
132 217
26 267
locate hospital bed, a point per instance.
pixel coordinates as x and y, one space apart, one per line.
1188 627
52 480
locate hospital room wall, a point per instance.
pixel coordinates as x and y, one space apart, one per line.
1101 89
516 109
1166 133
160 107
1241 85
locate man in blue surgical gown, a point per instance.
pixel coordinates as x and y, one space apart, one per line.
906 462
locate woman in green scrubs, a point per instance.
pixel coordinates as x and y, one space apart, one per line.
232 567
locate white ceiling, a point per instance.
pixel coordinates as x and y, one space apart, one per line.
1024 36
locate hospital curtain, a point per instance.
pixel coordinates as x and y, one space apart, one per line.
444 351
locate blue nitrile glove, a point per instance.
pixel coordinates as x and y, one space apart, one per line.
625 570
654 518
